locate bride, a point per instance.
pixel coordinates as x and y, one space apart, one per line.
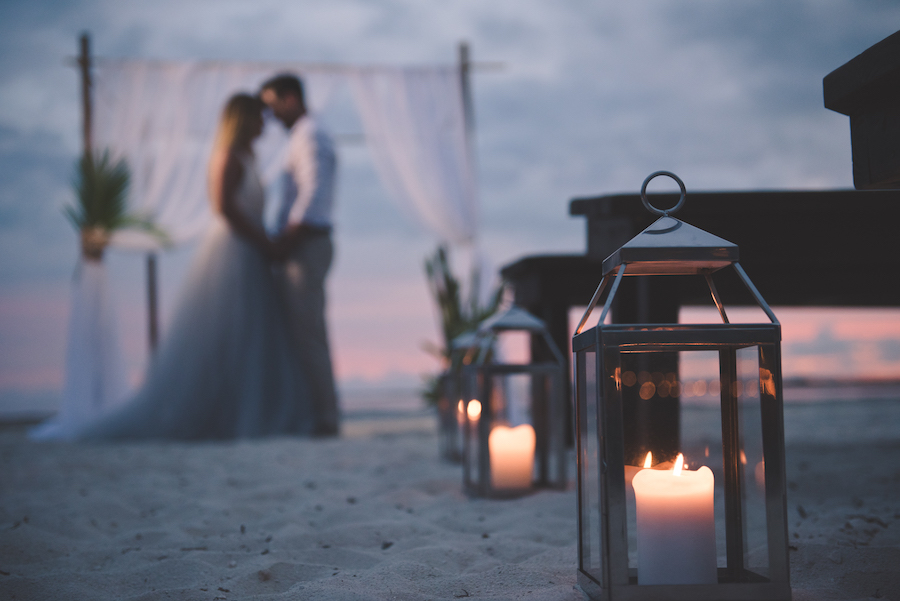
226 369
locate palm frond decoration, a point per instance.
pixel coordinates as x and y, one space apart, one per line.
101 189
457 317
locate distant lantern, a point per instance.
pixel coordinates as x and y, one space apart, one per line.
514 412
451 406
708 523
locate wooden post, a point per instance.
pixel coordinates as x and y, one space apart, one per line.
465 67
152 311
84 62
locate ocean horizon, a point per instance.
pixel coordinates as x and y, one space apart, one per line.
815 411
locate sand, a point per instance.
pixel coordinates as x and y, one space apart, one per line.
373 515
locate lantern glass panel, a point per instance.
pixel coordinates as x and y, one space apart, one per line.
591 552
513 347
471 419
511 399
719 426
747 390
450 412
514 398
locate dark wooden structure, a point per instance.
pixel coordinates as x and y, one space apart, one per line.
829 248
867 89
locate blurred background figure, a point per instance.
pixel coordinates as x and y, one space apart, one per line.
304 241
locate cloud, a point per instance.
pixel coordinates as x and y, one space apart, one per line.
34 185
593 97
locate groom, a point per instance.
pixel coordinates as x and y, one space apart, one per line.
304 240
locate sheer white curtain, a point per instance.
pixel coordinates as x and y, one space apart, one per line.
161 117
95 369
414 121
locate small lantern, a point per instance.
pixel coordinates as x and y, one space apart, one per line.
514 413
451 406
649 528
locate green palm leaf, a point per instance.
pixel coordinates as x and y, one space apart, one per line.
101 190
456 317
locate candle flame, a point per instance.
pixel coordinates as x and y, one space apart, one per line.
679 463
649 460
459 406
474 409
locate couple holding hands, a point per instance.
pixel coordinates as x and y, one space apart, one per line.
247 351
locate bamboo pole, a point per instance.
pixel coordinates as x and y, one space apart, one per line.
152 306
465 69
84 62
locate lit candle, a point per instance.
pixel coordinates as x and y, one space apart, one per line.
512 456
631 470
474 410
676 531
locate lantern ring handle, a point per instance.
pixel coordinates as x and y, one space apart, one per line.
650 207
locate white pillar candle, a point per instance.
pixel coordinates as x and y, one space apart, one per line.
676 530
512 456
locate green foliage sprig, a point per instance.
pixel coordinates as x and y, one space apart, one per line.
457 317
101 189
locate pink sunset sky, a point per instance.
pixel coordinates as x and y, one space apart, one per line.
378 340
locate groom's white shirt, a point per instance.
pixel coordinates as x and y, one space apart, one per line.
309 176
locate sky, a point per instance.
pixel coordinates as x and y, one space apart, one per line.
591 97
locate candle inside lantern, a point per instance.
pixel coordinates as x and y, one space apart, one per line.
676 531
473 409
631 470
512 456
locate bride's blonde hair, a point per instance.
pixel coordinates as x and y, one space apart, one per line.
238 123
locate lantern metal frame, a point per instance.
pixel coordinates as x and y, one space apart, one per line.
671 247
450 403
546 404
449 441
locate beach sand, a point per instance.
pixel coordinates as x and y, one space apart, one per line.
374 515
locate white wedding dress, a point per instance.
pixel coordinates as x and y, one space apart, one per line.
227 368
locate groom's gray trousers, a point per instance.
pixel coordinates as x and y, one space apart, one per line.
302 278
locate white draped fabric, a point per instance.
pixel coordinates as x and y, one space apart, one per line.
416 126
161 117
95 370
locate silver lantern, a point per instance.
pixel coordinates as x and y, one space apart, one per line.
710 522
514 412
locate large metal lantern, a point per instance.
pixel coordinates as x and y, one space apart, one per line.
709 521
514 418
451 406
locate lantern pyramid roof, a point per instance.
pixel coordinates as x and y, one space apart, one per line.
670 246
513 318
